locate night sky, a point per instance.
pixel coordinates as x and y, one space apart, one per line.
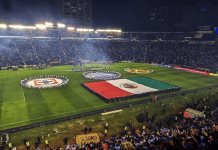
125 14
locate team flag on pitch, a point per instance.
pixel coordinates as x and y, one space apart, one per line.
119 88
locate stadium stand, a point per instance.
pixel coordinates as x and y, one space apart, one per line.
185 134
33 51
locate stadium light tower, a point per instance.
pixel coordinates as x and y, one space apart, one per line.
3 26
61 25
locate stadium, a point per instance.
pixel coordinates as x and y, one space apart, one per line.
71 87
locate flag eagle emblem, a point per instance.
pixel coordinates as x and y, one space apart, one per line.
129 85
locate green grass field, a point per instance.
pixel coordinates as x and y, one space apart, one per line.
21 106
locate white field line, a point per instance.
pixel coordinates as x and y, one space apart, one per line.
24 99
111 112
12 102
23 94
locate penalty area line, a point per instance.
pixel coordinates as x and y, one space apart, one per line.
13 102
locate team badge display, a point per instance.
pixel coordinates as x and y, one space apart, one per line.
101 75
43 82
138 70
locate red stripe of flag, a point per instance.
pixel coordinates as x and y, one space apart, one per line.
107 90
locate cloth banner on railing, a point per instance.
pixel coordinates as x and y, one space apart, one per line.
191 113
87 138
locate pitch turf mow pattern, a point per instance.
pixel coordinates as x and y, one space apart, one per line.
101 75
138 70
43 82
120 88
22 106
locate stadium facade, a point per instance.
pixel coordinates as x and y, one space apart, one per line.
78 12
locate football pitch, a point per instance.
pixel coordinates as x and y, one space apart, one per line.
22 106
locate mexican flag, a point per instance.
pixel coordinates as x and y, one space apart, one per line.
111 89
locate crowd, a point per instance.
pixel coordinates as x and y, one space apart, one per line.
15 52
178 133
195 134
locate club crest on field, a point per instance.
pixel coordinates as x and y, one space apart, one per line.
138 70
101 75
43 82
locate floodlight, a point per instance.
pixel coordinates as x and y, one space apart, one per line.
49 24
109 30
16 26
61 25
41 26
30 27
84 30
71 28
3 26
21 27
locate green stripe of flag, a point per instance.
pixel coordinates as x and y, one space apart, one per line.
152 83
